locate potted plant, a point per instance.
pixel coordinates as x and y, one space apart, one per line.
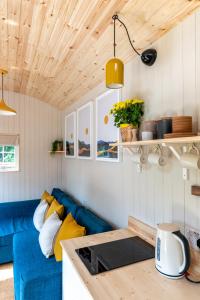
57 145
127 116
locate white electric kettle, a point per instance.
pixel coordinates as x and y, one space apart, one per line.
172 251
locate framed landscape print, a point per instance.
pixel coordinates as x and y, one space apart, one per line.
70 135
106 132
84 131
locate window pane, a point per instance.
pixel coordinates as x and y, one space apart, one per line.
9 157
1 148
9 148
1 157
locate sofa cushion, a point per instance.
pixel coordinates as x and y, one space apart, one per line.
47 197
32 271
12 225
6 240
68 230
69 204
91 222
39 214
48 234
18 208
58 194
55 207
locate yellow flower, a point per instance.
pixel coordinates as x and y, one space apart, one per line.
124 125
124 104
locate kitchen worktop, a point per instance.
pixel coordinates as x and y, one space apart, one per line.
140 281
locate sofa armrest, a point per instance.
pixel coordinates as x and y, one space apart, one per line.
18 208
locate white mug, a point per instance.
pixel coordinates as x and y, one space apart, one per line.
147 135
157 159
139 158
190 161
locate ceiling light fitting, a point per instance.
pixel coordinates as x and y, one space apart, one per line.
115 67
5 110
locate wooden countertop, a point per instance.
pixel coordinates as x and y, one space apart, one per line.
139 281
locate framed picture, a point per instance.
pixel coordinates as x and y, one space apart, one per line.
106 132
70 135
84 131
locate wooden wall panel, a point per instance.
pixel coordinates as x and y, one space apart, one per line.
156 195
38 125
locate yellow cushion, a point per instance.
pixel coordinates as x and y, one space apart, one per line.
46 196
55 207
69 229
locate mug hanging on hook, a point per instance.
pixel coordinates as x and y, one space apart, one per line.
156 157
190 160
140 157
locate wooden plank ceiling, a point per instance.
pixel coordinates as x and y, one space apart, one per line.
56 50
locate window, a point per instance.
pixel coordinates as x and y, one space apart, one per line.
9 153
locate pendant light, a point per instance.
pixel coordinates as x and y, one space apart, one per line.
5 110
115 67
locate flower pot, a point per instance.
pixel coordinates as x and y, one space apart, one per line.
126 133
59 146
134 134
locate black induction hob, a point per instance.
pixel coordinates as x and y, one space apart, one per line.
108 256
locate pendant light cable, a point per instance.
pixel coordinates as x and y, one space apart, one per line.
114 37
2 85
115 17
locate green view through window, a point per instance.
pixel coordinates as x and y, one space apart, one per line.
8 158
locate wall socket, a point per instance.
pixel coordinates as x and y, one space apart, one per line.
185 174
193 236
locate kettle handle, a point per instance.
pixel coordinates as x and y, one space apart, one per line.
185 249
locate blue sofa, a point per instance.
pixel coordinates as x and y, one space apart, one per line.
35 277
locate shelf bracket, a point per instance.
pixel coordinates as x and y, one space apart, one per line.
173 150
131 151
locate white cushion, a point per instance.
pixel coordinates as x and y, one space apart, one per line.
48 234
39 214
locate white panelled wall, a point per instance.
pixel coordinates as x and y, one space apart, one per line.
38 124
171 86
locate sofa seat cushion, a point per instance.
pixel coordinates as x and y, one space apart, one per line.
13 225
91 222
32 270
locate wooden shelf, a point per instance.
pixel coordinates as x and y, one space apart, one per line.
56 152
182 140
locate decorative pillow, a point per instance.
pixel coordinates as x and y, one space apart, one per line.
46 196
69 229
55 207
48 234
39 214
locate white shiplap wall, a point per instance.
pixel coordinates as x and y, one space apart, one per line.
171 86
38 125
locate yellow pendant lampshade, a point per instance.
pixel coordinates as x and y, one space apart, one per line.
5 110
114 74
